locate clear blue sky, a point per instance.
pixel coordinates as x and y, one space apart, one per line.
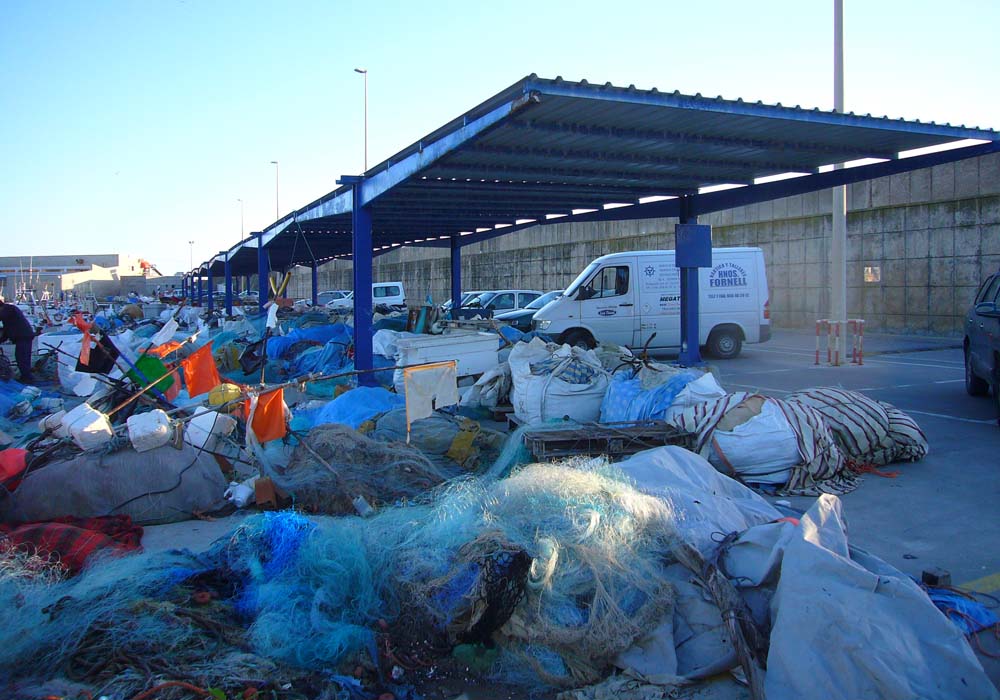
136 126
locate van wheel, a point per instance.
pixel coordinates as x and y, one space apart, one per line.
725 342
974 386
579 338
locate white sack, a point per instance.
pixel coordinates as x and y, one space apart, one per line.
544 397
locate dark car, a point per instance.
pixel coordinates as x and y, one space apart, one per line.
982 342
521 318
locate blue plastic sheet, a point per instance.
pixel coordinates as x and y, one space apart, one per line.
626 400
353 407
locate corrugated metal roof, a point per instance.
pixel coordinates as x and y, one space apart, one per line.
546 147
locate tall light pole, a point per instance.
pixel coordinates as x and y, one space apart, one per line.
191 255
364 72
838 239
241 218
276 214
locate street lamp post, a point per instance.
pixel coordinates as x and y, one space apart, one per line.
241 218
364 72
276 214
191 255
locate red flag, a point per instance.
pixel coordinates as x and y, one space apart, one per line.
269 418
200 372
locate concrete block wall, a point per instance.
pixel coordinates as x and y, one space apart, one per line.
931 235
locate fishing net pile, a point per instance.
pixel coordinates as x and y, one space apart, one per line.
561 567
334 465
586 549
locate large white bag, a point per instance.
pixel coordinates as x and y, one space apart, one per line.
762 450
556 393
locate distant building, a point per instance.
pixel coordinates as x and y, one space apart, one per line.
100 275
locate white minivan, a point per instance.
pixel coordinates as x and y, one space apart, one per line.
388 293
626 298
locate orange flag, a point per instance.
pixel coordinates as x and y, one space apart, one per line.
77 320
269 418
200 372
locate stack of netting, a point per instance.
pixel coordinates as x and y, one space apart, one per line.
563 567
595 583
335 466
121 627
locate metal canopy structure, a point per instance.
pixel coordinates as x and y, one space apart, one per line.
546 149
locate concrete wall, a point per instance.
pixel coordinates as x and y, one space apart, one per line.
933 235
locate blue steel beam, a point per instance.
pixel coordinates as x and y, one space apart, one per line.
727 199
341 201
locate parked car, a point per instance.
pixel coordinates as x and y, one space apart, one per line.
521 318
635 298
982 342
339 299
504 300
388 293
466 298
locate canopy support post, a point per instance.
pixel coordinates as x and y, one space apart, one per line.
361 255
263 270
693 250
456 276
229 286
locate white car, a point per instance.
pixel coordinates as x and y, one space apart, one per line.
337 299
504 300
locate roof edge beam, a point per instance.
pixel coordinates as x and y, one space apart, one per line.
381 182
728 199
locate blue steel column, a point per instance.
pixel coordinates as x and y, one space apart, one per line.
315 283
263 270
229 286
200 296
362 263
184 287
685 250
211 289
456 276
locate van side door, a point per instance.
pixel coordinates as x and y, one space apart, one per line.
659 284
607 303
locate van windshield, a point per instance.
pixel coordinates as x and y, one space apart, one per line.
580 279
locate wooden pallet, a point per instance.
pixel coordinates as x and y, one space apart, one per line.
615 440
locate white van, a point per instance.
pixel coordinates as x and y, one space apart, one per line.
624 298
388 293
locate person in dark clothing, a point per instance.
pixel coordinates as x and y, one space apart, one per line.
17 330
